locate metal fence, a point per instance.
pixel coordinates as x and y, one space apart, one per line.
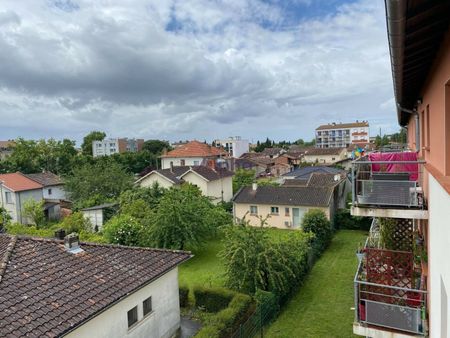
254 325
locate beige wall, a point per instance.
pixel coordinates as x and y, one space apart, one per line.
189 161
216 187
325 158
242 210
155 178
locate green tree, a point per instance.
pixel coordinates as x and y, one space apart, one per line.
123 229
133 162
75 222
243 178
183 219
156 146
5 218
316 222
150 195
86 146
25 157
96 183
34 211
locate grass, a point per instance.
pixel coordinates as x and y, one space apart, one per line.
321 307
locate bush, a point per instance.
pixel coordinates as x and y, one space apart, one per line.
344 220
34 211
212 299
86 236
75 222
184 295
123 229
20 229
269 301
316 221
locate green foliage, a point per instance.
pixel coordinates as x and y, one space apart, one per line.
20 229
243 178
184 295
134 162
123 229
5 218
97 183
255 261
86 236
387 230
151 196
184 218
34 211
344 220
269 300
86 146
75 222
316 221
212 299
156 146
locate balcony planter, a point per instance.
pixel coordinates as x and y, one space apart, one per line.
360 256
424 266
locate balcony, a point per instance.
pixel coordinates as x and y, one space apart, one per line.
388 185
390 287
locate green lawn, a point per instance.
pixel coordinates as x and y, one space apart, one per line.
321 307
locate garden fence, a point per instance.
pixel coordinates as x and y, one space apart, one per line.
254 325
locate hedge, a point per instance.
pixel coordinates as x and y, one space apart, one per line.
212 299
184 295
344 220
270 301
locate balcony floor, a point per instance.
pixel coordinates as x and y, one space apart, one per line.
389 212
378 332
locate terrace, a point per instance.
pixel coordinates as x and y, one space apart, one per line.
388 185
390 283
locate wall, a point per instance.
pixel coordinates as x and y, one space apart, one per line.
215 188
11 208
242 209
58 192
240 147
324 158
162 322
438 254
151 179
23 196
200 182
95 217
189 161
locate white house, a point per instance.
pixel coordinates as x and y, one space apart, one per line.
235 146
193 153
86 290
214 183
325 155
53 186
99 214
338 135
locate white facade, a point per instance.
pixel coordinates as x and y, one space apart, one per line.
13 202
336 136
234 146
166 162
438 255
95 217
54 192
106 147
162 322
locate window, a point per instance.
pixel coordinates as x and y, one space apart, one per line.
132 316
182 162
253 210
147 305
286 211
274 210
8 197
49 191
196 162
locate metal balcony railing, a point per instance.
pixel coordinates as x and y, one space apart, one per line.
387 292
391 183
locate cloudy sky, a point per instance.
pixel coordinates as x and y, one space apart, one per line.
183 69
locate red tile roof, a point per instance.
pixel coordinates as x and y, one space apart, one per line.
19 182
195 149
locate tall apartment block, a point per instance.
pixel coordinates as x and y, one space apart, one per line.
115 146
337 135
402 283
235 146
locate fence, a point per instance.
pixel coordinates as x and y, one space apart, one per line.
254 325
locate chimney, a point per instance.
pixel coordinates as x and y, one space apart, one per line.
171 166
254 186
60 234
337 177
72 243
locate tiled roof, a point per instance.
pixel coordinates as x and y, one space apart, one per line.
295 183
324 179
272 151
305 172
301 196
19 182
46 291
46 179
195 149
323 151
7 144
343 125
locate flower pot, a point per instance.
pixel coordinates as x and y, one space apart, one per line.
360 256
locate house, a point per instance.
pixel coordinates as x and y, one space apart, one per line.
215 183
6 149
324 155
284 206
112 146
53 186
55 288
342 135
99 214
409 190
235 146
193 153
17 188
304 173
272 152
249 164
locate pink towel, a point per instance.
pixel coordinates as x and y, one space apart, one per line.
411 168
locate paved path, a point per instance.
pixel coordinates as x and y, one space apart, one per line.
189 327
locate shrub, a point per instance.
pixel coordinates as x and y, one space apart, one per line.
316 221
86 236
34 211
269 301
344 220
75 222
184 295
20 229
123 229
212 299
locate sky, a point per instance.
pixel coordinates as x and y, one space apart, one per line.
192 69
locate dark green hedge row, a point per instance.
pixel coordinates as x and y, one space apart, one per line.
344 220
212 299
184 295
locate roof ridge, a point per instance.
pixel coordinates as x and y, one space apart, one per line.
7 255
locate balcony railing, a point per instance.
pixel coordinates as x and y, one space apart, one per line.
389 292
388 183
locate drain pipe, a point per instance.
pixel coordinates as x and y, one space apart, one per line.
416 117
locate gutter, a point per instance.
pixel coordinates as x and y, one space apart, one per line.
396 23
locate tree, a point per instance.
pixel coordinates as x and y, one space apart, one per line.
86 146
183 219
96 183
123 229
76 222
133 162
25 157
150 195
316 222
156 146
34 210
243 178
5 218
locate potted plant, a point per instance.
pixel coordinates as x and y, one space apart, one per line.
360 252
424 262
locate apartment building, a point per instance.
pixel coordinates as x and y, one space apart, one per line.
112 146
342 135
402 284
235 146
